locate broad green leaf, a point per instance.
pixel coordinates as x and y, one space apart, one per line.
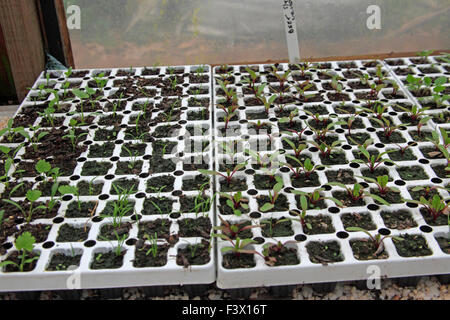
266 207
43 166
68 190
33 195
25 242
4 149
80 94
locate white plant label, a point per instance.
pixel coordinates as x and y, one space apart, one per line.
291 30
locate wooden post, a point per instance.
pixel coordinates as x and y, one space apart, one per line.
56 34
7 88
19 20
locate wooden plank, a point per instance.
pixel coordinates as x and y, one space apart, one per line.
55 31
20 23
7 89
64 32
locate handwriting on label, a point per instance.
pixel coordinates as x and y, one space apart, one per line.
289 15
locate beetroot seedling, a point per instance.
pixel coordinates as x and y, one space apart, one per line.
307 167
435 207
297 148
228 176
233 230
377 239
358 193
315 197
235 202
273 195
372 161
381 183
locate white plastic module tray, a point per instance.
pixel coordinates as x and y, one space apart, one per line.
349 268
191 83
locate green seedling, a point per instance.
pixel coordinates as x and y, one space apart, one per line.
9 131
66 189
202 203
264 161
375 90
315 197
74 138
318 119
380 74
335 84
297 148
48 114
437 91
435 207
381 182
307 167
302 88
358 193
100 81
441 141
271 224
273 195
35 138
120 243
233 230
274 248
419 86
121 206
281 78
304 67
238 246
46 171
302 215
25 245
403 149
266 102
299 134
2 215
388 127
235 202
321 133
414 113
32 196
251 79
289 119
324 148
133 157
425 54
372 161
230 94
153 245
228 176
377 239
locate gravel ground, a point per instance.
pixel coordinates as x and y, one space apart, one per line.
428 288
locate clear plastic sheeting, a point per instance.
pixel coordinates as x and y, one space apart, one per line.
123 33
